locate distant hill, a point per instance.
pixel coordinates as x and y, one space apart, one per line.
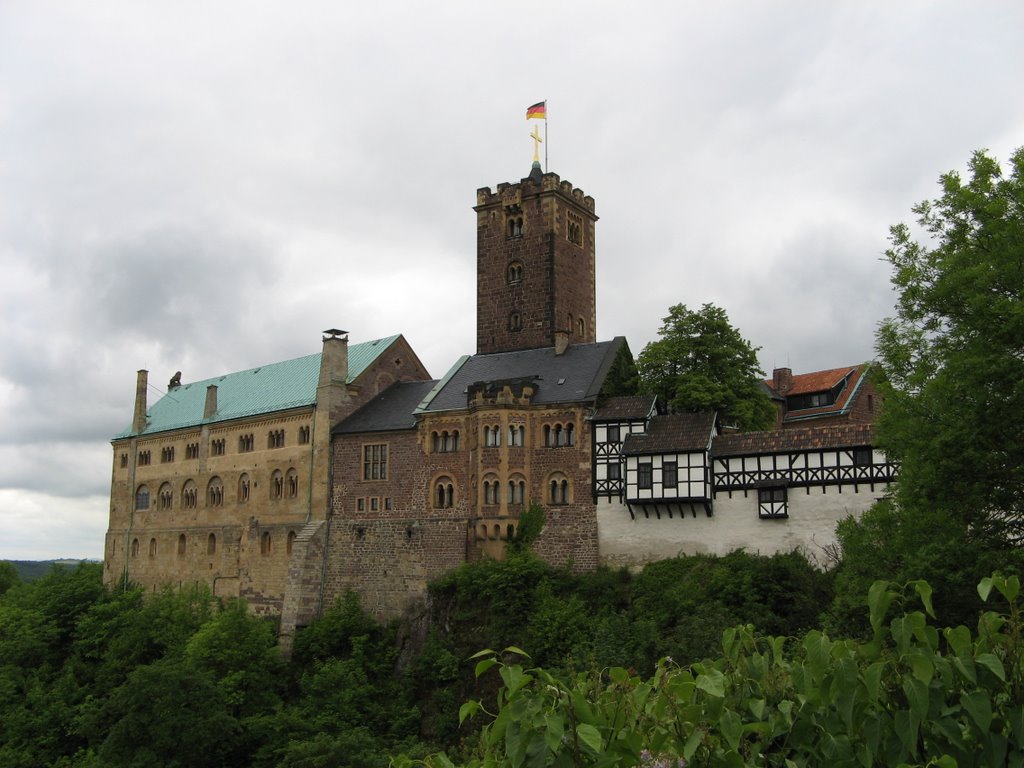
30 570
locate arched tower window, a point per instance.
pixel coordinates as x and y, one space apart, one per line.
215 492
559 492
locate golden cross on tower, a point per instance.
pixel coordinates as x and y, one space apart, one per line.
536 144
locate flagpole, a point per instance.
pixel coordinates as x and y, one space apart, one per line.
546 167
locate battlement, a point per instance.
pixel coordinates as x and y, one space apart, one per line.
508 193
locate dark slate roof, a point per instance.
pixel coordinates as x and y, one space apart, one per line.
626 408
391 410
581 369
675 432
809 438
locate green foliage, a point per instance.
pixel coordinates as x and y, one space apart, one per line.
623 379
911 695
701 363
531 523
952 355
8 576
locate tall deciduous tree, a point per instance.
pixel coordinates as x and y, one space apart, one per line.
702 363
953 355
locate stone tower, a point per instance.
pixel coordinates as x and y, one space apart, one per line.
535 265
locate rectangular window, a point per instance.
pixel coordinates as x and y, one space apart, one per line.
862 457
771 502
375 462
669 475
644 475
614 471
613 433
374 503
360 505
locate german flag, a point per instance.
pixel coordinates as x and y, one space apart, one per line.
538 111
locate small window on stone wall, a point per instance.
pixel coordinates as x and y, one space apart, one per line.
243 488
559 489
246 443
166 496
292 483
192 451
265 543
276 484
211 544
275 438
144 458
152 547
444 493
515 322
291 542
124 460
135 547
491 488
181 544
167 454
218 447
215 493
515 272
189 495
516 434
303 435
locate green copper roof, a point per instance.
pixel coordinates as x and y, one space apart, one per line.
269 388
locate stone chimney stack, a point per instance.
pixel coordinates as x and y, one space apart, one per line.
561 342
334 361
210 409
782 380
141 388
332 388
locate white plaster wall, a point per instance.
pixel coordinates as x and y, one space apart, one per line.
735 524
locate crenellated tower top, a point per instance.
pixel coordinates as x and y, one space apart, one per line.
535 265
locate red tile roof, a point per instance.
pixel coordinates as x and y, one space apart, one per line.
817 381
835 436
626 408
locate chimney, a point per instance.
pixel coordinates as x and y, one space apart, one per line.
141 387
210 409
334 361
561 342
782 380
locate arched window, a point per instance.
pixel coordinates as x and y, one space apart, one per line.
276 484
444 493
303 435
492 436
570 434
135 547
516 434
491 487
292 483
243 488
211 544
166 496
559 489
265 543
516 490
581 327
181 544
152 547
559 435
515 272
291 542
515 322
142 497
189 495
215 492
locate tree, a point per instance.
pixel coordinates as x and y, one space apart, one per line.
701 363
953 355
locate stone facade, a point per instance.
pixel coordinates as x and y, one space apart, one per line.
536 284
224 502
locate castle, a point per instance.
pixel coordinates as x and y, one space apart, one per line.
290 483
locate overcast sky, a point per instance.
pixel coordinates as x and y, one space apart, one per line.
205 186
